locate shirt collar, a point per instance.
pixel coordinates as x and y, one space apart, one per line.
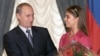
24 29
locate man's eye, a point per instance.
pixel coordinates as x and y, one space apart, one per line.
28 15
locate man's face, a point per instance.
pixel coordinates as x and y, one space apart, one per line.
26 16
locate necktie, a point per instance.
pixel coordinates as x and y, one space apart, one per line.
29 37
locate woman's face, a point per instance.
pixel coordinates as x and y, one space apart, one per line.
70 20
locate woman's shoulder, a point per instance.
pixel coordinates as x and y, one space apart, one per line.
82 35
64 35
63 40
85 40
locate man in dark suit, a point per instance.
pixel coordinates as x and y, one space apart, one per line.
25 39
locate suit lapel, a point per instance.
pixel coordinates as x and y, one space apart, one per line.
36 39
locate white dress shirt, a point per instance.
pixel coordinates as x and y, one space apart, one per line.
24 30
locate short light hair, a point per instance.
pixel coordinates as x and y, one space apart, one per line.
19 7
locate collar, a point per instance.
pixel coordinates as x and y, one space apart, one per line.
24 29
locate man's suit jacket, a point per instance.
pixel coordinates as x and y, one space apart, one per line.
16 43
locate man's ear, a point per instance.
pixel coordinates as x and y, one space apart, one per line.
18 16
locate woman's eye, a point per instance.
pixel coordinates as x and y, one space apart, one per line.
67 16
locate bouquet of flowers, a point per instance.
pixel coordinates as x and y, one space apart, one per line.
75 49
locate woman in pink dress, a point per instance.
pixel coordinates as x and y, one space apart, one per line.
76 28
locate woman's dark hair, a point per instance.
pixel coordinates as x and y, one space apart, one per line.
76 11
